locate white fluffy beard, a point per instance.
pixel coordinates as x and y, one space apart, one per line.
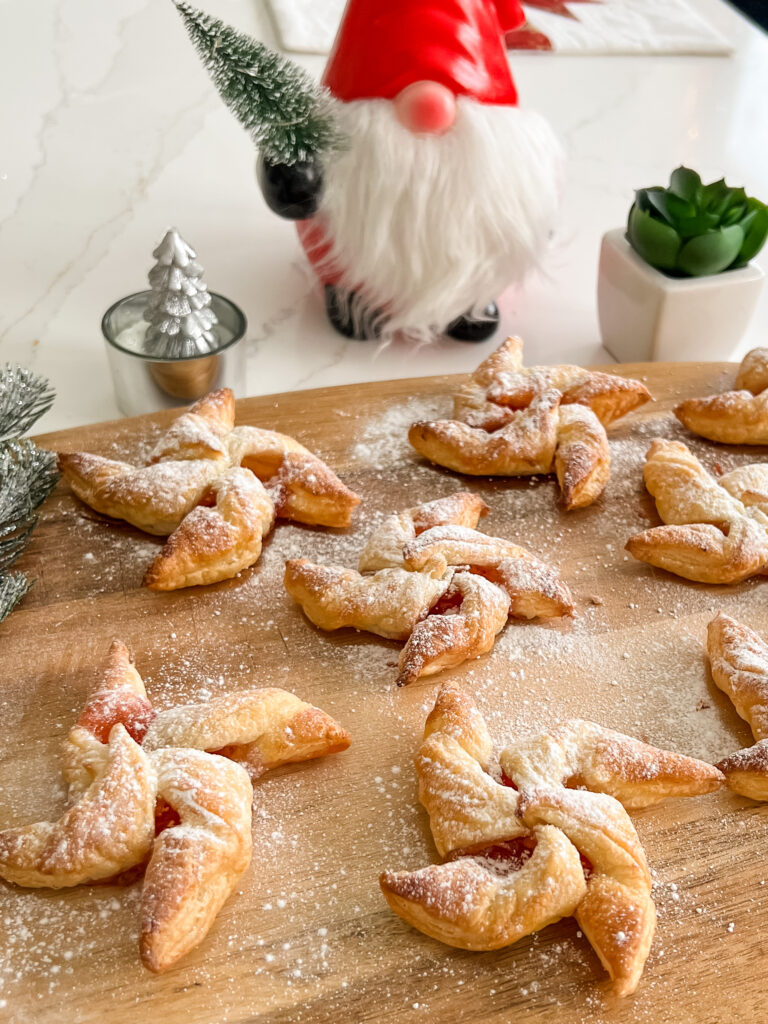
427 228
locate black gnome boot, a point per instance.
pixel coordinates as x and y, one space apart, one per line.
348 318
467 328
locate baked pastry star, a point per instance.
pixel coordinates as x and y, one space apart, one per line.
170 791
733 417
739 660
511 420
716 532
428 578
214 490
551 839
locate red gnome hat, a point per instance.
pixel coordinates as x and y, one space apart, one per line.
382 46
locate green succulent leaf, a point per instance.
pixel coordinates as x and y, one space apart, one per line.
733 214
711 253
736 197
671 207
657 243
700 224
755 228
690 229
747 221
642 200
687 184
715 196
719 208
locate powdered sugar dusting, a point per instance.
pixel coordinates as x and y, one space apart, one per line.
307 937
384 442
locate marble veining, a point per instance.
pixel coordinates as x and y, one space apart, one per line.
112 132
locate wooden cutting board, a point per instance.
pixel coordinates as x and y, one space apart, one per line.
308 937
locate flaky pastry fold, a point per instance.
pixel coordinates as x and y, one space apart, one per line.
106 830
200 433
733 417
501 384
385 546
144 791
216 543
109 822
153 498
515 421
524 446
711 536
388 603
470 629
214 490
739 661
549 839
428 578
260 729
197 862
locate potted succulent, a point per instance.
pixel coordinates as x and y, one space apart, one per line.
678 283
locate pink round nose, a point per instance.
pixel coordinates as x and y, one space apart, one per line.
426 108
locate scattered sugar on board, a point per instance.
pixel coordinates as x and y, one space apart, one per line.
309 913
384 441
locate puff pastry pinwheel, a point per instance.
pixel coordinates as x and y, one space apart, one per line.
214 490
428 578
515 421
260 729
525 851
711 535
197 860
206 757
739 662
733 417
109 822
169 792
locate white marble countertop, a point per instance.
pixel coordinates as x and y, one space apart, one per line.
112 131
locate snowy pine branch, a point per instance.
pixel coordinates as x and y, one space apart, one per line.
24 398
13 586
27 476
27 473
289 117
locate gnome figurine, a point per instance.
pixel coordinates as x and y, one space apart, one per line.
444 191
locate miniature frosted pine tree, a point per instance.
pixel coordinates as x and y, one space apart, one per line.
181 320
288 116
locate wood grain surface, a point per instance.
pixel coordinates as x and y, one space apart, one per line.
308 937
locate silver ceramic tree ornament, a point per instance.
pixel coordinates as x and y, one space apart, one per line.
181 320
170 344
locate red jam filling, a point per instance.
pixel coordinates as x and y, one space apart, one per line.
107 709
586 866
208 500
447 602
223 751
512 853
488 572
165 816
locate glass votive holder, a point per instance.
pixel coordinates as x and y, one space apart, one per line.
144 383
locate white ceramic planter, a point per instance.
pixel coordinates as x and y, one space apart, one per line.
645 315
